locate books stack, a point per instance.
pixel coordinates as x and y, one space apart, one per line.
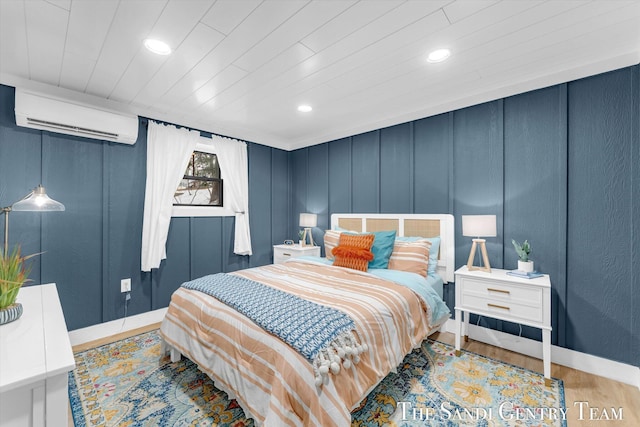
525 274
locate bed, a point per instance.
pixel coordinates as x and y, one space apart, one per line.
277 385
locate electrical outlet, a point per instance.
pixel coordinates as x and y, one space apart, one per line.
125 285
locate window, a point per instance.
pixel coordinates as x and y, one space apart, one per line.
201 184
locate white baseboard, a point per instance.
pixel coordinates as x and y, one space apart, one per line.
595 365
103 330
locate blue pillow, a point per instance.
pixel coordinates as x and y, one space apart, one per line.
382 246
433 252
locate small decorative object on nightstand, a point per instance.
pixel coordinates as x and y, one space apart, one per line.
281 253
505 297
523 250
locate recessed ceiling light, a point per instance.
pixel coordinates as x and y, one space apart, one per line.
157 46
304 108
438 55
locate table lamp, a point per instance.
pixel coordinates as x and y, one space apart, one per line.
479 226
308 221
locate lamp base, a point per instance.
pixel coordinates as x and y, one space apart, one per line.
307 232
485 256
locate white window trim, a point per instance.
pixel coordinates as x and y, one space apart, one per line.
203 211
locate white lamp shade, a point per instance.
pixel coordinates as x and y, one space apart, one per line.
308 220
479 226
37 201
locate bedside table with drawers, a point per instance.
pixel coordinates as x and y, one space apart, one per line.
505 297
281 253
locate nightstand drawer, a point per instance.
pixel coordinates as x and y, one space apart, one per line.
506 309
282 257
501 291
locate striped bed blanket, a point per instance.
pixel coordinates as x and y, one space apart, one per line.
273 382
323 335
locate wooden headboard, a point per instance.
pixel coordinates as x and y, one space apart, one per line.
422 225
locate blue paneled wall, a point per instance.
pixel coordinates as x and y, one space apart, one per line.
558 166
96 241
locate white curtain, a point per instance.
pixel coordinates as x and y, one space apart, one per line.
234 168
168 152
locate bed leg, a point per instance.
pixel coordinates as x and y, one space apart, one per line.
175 355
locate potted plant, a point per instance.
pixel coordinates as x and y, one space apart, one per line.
523 250
13 274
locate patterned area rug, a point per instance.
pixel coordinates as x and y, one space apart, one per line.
127 384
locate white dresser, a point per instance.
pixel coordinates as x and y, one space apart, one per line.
505 297
281 253
35 359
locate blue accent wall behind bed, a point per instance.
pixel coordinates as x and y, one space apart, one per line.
558 166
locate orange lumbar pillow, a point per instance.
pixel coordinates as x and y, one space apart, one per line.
354 251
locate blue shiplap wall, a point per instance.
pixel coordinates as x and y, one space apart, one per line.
96 241
602 233
558 166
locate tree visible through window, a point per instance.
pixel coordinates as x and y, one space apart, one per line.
201 184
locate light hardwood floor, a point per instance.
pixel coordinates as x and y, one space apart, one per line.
601 397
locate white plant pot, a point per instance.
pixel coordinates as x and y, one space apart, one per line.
526 266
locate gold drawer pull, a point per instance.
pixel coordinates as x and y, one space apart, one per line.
285 254
499 306
498 290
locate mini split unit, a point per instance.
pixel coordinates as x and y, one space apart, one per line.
56 115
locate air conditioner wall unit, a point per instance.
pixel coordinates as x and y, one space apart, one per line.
56 115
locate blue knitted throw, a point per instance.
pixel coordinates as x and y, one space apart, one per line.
323 335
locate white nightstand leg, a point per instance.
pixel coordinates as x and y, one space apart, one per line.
465 318
458 331
546 355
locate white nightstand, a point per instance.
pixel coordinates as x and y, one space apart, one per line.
281 253
505 297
